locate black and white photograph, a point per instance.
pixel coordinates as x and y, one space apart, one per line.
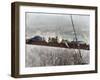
56 39
53 39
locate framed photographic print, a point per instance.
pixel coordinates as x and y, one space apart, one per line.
53 39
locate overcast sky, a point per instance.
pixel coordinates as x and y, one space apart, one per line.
57 25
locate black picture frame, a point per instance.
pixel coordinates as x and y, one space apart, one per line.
15 42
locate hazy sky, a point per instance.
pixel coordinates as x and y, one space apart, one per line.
57 25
